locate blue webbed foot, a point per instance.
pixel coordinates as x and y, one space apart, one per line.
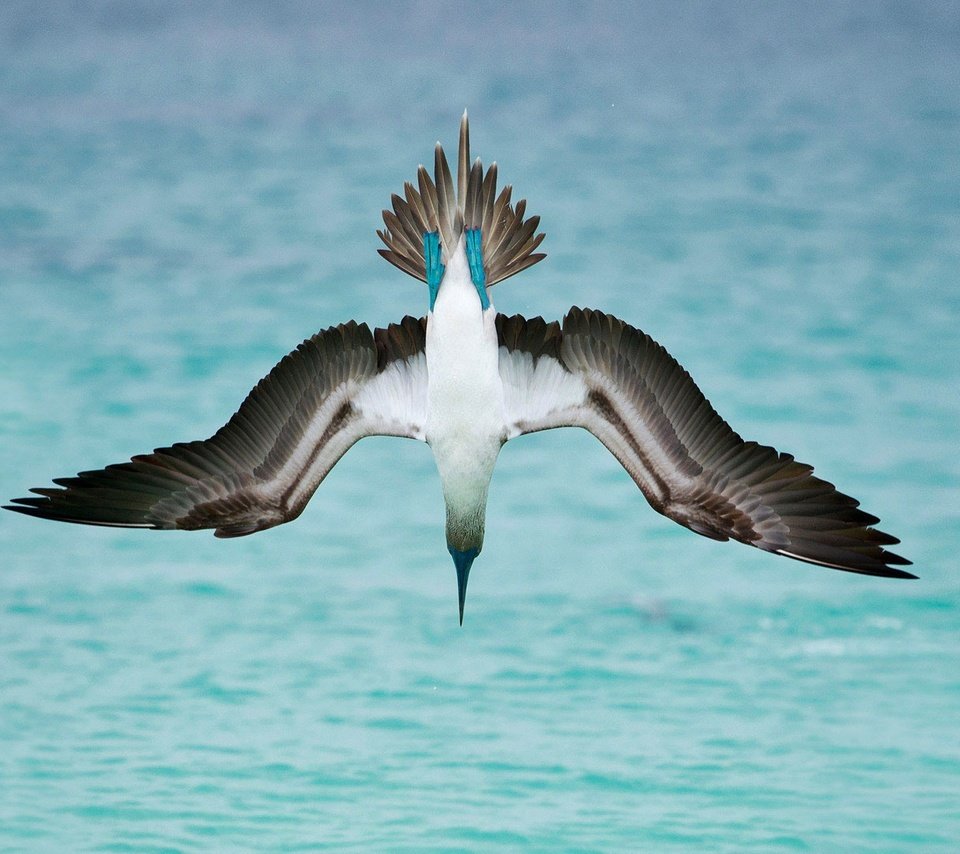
431 259
475 259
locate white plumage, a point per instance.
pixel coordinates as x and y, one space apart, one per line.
465 424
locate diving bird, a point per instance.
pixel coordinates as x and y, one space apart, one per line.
465 380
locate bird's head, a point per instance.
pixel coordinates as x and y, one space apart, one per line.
465 528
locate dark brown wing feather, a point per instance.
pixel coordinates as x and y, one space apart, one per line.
262 466
690 464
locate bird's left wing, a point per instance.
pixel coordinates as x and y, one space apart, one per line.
600 373
262 467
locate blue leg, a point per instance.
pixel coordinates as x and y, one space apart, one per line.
475 260
431 258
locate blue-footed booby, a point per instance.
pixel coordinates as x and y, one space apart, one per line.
465 380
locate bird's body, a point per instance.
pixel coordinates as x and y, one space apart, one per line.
465 419
466 380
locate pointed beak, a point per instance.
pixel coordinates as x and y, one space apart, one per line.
463 561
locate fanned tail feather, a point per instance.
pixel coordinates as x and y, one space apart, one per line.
509 241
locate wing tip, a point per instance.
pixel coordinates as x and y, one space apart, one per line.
18 508
47 510
883 566
31 506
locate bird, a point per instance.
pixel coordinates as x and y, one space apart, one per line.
466 379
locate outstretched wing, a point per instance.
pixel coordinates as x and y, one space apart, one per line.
599 373
261 468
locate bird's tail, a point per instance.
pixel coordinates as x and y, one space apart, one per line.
508 241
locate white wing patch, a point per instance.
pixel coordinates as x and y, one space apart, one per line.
538 394
394 403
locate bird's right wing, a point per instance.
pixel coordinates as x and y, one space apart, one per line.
599 373
262 467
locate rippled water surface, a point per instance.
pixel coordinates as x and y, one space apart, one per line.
774 194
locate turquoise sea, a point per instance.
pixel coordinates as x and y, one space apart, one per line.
772 190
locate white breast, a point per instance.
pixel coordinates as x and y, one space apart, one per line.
465 423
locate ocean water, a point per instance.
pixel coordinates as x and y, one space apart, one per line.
770 190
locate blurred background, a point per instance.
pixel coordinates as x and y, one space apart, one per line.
771 190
